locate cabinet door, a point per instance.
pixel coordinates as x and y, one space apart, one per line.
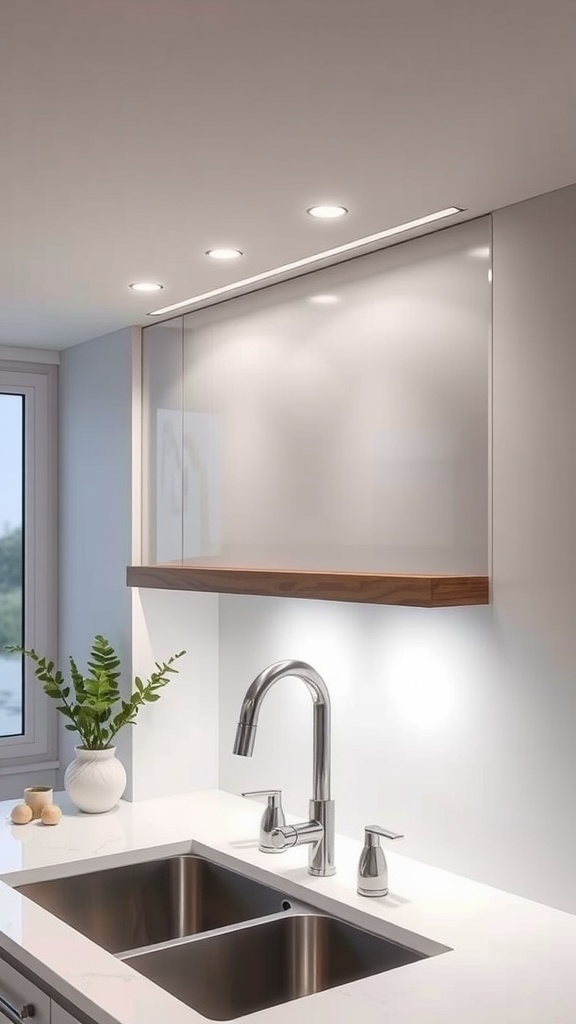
20 998
60 1016
336 422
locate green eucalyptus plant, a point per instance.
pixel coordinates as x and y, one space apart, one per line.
90 701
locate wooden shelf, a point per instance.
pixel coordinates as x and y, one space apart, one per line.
368 588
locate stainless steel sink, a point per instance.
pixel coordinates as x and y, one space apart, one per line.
249 968
125 908
220 942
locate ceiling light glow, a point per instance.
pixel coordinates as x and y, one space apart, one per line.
223 254
327 212
324 300
146 286
308 261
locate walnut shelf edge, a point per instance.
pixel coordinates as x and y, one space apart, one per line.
417 591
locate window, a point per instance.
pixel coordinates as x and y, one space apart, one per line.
12 474
28 596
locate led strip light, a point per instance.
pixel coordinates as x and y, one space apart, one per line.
267 275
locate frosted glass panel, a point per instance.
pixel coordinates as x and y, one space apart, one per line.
162 429
340 420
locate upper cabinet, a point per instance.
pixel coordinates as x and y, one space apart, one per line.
328 436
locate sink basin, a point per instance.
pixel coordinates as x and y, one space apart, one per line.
137 905
249 968
220 942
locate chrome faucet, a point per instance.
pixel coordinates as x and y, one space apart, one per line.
319 830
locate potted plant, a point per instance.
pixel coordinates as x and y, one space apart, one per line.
96 779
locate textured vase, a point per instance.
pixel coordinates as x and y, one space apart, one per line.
95 780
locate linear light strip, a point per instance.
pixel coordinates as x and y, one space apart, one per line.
451 211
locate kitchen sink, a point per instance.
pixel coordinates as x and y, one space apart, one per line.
220 942
250 968
125 908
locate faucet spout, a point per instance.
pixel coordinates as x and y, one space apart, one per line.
320 830
250 710
245 739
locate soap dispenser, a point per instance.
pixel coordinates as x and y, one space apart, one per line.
272 818
372 867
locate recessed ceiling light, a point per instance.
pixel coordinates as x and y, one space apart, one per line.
327 212
307 261
223 254
146 286
324 300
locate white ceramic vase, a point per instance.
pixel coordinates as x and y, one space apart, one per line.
95 780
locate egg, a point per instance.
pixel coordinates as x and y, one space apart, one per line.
21 814
50 815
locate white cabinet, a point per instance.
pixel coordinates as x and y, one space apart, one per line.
21 999
23 1002
60 1016
334 423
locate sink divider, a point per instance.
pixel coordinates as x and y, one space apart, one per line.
294 909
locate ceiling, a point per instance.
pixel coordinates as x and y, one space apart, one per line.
138 133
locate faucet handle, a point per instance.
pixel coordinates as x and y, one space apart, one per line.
272 818
377 830
372 867
274 795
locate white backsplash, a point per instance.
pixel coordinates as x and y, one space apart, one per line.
175 743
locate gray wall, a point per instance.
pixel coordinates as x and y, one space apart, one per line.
534 517
457 726
95 505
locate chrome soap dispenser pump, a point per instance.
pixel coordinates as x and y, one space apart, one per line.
272 819
372 867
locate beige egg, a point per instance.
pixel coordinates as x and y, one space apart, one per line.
51 815
21 814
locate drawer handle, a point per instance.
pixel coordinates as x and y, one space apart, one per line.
12 1013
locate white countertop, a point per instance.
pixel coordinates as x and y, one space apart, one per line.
511 962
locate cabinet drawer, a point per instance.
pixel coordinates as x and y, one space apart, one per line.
16 992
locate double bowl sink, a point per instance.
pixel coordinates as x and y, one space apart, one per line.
219 941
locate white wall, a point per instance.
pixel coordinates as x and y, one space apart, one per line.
175 743
22 354
174 746
533 534
457 726
420 732
95 412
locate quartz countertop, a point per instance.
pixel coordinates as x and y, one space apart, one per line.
511 961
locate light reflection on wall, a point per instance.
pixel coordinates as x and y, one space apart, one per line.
422 687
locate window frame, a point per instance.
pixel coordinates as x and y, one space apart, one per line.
37 382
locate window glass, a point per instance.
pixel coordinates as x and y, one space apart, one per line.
11 561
